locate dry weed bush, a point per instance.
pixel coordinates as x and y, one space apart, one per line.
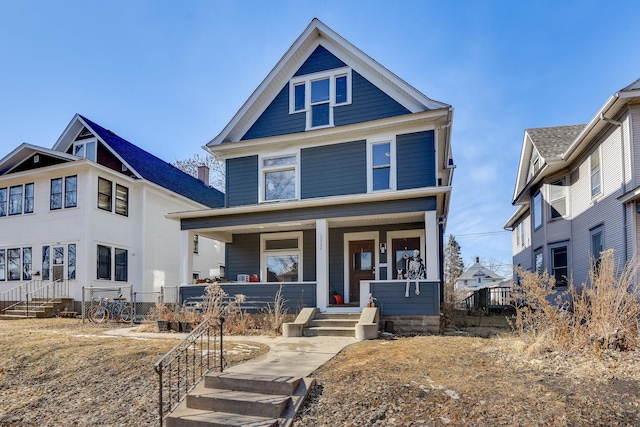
601 314
276 313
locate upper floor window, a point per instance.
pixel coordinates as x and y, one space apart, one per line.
381 166
317 94
279 176
558 198
85 148
105 197
17 199
596 178
537 210
519 235
534 164
68 188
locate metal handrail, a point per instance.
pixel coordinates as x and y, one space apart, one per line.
16 295
48 292
182 368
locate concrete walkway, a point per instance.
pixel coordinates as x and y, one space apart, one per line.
293 356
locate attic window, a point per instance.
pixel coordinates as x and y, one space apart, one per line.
86 149
84 134
317 94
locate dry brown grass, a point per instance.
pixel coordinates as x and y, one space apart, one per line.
467 381
61 372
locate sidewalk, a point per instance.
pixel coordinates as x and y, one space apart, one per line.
293 356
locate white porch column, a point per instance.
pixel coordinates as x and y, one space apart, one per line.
431 243
322 263
186 261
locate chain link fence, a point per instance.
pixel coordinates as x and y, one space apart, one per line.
108 304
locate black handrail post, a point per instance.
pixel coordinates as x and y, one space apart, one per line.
221 346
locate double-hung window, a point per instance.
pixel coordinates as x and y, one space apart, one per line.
596 178
597 243
3 265
3 201
317 94
279 177
104 194
281 259
381 166
122 200
68 192
558 199
15 200
560 264
538 261
116 265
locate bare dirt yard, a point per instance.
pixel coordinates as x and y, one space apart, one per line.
472 381
61 372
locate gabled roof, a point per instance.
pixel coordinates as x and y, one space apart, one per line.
25 151
315 34
478 270
158 171
560 145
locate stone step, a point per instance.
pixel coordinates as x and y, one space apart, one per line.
350 316
333 323
237 402
267 384
15 317
329 332
190 417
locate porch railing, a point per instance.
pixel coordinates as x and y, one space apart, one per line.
182 368
487 298
17 295
46 293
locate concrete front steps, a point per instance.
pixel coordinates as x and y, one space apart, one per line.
234 399
311 322
37 309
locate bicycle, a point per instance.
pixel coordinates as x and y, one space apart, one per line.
116 309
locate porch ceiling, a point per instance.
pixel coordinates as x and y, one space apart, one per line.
346 222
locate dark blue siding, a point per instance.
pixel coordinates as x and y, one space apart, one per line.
392 301
333 170
320 60
242 181
337 211
309 256
367 103
242 256
258 296
416 163
276 119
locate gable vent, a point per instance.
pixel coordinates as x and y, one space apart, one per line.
36 158
85 133
124 168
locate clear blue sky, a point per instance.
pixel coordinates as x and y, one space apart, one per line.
169 75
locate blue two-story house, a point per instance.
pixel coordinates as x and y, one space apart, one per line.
338 181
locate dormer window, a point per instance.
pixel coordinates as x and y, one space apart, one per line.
85 148
317 94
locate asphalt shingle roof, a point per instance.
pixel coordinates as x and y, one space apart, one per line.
551 142
158 171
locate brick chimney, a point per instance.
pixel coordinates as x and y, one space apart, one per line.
203 174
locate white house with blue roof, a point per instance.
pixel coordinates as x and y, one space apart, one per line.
338 182
91 211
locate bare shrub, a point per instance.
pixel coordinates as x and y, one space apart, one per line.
275 313
601 314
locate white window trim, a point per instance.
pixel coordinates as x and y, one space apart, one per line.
534 217
84 143
402 234
392 162
306 80
565 195
263 170
277 236
600 191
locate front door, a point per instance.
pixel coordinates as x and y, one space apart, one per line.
402 251
362 257
58 263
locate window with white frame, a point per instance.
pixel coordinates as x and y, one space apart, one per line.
3 201
537 210
520 235
538 261
3 265
20 199
17 265
66 190
381 165
281 259
279 177
316 95
558 198
86 148
596 177
597 242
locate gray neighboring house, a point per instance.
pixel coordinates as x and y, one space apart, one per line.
578 190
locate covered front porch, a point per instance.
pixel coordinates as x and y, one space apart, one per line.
350 255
